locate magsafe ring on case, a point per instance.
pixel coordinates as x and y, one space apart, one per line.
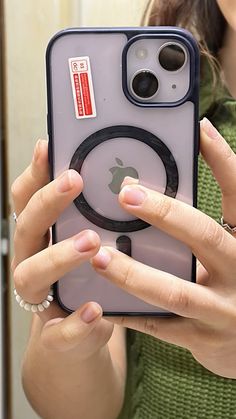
108 134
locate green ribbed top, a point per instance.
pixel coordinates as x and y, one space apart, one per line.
163 380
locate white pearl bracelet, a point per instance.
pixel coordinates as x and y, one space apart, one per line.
34 307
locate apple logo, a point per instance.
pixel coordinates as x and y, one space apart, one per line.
119 173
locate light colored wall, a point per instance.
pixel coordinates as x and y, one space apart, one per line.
112 12
29 25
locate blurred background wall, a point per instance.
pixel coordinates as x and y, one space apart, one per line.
29 25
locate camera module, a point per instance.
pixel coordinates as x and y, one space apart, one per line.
144 84
172 57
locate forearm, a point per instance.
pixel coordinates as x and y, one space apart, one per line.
59 386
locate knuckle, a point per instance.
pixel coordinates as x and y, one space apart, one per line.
213 234
150 326
179 299
184 300
54 261
162 207
128 276
122 321
20 279
33 170
172 300
16 189
46 341
40 196
48 338
67 334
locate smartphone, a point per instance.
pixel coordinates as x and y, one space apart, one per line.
123 102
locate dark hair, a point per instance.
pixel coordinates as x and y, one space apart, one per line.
201 17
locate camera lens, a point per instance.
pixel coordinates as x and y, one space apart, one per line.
172 57
144 84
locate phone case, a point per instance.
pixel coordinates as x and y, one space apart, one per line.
108 134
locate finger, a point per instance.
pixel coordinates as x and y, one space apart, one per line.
34 276
207 239
177 330
222 161
73 331
129 181
33 178
42 211
161 289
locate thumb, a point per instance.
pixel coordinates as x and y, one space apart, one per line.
63 334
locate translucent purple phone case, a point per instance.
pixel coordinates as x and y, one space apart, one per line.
159 142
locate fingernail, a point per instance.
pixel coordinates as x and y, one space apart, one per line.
132 195
37 150
129 181
83 242
102 259
66 181
90 313
209 129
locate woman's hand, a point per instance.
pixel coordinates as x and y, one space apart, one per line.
206 309
36 265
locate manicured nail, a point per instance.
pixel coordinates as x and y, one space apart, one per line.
90 312
102 259
83 242
132 195
129 181
209 129
37 150
66 181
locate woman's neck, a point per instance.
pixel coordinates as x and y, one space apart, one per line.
227 58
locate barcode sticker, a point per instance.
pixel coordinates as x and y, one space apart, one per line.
82 87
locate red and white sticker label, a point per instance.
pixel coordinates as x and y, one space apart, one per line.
82 87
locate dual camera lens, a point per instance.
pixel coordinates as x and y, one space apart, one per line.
171 57
145 84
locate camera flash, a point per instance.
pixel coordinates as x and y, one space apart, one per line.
141 53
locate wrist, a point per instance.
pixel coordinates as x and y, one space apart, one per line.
75 378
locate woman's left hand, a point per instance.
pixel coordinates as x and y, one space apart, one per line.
207 308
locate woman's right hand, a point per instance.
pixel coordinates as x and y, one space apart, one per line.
37 265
